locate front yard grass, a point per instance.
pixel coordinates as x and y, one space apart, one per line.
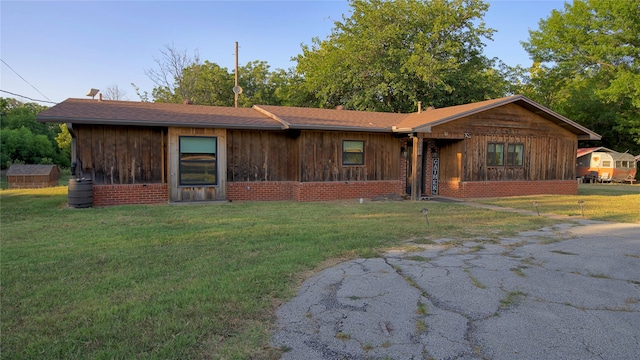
178 282
606 202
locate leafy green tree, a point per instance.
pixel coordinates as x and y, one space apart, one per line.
16 114
24 140
255 79
388 55
587 67
212 86
64 145
22 146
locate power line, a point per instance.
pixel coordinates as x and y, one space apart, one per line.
25 80
26 97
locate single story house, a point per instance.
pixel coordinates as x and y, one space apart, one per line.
26 176
137 152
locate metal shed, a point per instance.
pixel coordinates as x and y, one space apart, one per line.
32 176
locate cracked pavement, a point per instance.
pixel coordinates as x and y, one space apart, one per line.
564 292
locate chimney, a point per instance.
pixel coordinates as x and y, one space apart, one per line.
99 96
419 107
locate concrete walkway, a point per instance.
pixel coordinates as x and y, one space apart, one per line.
563 292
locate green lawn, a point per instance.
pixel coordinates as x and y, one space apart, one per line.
197 281
607 202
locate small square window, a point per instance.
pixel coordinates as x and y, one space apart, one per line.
353 152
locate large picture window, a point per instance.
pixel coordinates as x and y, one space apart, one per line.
495 154
198 164
353 152
514 154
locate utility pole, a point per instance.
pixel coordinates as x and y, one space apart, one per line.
237 90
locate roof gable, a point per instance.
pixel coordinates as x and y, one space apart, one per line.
426 120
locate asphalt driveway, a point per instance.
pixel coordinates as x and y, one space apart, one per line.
566 292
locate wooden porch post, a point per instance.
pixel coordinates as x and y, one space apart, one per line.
416 171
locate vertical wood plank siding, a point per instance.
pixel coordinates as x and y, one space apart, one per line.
261 156
321 157
308 156
120 155
549 150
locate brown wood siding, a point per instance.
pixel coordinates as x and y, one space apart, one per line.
196 193
261 156
321 157
549 150
120 155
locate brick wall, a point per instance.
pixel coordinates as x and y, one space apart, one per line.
104 195
324 191
311 191
479 189
260 190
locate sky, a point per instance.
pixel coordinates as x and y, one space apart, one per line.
54 50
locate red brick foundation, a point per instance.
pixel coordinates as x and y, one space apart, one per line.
483 189
260 190
126 194
106 195
311 191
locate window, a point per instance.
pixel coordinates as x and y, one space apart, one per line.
198 160
353 152
514 154
606 163
495 154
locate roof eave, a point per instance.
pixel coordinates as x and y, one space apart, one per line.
121 122
340 128
589 137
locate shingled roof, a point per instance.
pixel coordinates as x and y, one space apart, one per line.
87 111
332 119
270 117
21 169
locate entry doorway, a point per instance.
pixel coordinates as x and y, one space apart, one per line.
409 179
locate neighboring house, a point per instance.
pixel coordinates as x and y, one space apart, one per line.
153 152
21 176
605 165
